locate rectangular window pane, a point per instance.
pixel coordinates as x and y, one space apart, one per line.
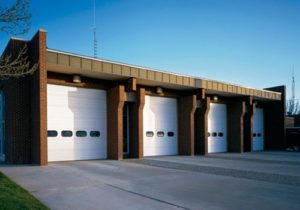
149 134
52 133
160 134
95 133
67 133
171 134
81 133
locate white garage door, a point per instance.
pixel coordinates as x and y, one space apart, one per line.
76 123
217 128
258 130
160 126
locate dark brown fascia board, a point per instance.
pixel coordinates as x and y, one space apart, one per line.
63 62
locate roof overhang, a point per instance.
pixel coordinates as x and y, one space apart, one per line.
67 63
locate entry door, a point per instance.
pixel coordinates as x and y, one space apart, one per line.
217 128
258 130
160 126
1 126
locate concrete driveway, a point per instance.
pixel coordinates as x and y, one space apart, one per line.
266 180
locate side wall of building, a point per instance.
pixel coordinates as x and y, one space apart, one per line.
25 125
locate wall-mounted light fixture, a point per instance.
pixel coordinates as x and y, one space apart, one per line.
159 90
76 78
215 98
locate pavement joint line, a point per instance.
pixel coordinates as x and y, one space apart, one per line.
148 197
283 162
243 174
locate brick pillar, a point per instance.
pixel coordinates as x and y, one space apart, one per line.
136 144
248 125
201 127
186 137
235 126
274 115
115 103
37 51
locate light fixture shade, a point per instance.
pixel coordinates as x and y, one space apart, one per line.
159 90
76 78
215 98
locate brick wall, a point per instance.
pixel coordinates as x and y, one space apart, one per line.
186 109
115 103
37 52
136 141
25 110
248 125
201 127
17 112
235 126
274 111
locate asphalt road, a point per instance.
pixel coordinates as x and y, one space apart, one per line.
264 180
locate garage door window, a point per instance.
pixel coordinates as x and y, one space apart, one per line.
95 133
149 134
170 134
81 133
220 134
52 133
160 134
66 133
259 135
254 134
214 134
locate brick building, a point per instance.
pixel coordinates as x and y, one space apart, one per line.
77 107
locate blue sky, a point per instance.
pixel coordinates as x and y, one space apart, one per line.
247 42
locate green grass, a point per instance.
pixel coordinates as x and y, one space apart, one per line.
12 196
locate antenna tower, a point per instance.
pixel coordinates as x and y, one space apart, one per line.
293 87
94 31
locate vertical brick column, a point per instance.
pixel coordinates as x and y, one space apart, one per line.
235 126
248 125
186 137
201 127
115 103
136 144
37 51
274 115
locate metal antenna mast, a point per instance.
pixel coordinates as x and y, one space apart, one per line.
293 87
94 31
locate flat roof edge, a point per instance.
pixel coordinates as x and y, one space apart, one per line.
198 80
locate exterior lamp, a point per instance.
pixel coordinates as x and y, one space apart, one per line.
76 78
159 90
215 98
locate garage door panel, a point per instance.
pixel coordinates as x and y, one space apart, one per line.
74 109
74 155
258 130
160 114
217 124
